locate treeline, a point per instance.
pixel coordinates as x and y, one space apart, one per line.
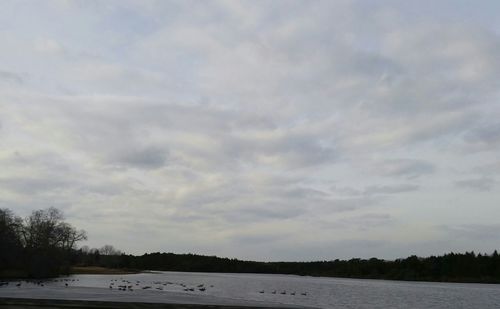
38 246
452 267
43 245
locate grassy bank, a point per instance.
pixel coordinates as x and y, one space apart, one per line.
13 274
76 270
96 270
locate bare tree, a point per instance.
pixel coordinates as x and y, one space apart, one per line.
85 249
46 229
109 250
68 236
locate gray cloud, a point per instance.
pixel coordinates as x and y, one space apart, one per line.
365 222
256 239
484 138
480 184
11 77
32 185
149 158
478 232
408 168
287 149
266 212
375 190
488 168
391 189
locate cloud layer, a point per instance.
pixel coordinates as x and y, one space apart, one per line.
285 130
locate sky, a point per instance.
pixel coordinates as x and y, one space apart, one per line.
263 130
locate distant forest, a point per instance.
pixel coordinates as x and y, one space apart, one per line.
452 267
43 245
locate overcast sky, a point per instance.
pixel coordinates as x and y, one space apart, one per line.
267 130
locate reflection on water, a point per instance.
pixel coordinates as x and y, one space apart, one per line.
305 291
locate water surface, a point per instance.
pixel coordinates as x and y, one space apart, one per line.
299 290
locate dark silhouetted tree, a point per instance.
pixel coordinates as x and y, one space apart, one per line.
10 240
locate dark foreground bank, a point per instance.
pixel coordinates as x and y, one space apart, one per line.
23 303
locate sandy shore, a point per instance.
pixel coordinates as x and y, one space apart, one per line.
85 297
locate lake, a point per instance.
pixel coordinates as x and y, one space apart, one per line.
298 290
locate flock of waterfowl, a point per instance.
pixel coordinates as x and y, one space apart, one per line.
36 282
126 285
284 292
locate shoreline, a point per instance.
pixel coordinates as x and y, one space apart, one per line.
96 270
90 297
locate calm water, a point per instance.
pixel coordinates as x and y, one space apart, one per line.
319 292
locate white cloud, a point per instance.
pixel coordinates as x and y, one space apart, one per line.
46 45
235 119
